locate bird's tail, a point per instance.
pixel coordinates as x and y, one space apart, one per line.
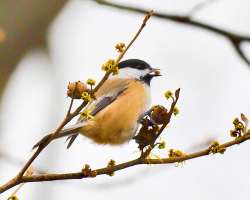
70 131
71 139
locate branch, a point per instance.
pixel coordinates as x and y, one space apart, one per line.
69 116
200 6
234 38
108 170
152 131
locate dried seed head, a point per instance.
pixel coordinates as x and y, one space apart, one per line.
76 89
159 114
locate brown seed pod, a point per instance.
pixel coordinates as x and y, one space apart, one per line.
76 89
159 114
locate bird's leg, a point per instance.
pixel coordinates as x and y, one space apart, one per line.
147 113
141 117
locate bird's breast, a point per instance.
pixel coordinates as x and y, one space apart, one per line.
117 123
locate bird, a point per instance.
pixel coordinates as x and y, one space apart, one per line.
119 104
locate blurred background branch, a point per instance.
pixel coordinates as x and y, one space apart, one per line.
234 38
26 25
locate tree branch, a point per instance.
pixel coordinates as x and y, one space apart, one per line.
108 170
240 132
187 19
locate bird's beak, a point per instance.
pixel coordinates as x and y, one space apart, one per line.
155 72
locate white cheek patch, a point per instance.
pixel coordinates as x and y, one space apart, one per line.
131 73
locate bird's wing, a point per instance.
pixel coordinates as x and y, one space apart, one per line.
108 93
104 102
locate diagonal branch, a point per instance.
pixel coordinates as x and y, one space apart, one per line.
188 20
237 42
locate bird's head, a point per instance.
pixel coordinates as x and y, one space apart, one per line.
137 69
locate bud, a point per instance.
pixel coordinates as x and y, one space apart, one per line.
162 145
215 147
234 133
76 89
86 171
111 66
91 81
244 118
13 198
176 111
120 47
111 164
108 65
86 97
159 114
174 153
236 121
239 126
168 94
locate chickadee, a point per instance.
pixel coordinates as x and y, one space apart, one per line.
119 104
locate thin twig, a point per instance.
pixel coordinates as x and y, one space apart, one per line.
149 14
41 147
198 7
177 93
153 143
71 101
186 19
120 56
237 45
70 106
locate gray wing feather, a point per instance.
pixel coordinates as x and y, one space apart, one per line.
69 131
72 131
103 103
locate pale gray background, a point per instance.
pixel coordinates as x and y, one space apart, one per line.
215 89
